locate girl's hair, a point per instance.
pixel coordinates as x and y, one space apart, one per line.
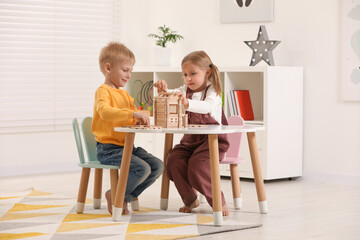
113 53
202 60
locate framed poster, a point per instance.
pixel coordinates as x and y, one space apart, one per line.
232 11
350 70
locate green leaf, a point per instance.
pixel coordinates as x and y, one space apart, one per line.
165 35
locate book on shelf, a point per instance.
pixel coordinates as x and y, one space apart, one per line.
231 103
240 104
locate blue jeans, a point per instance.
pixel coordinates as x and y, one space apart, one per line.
144 167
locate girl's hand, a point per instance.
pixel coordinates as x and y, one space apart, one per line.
141 119
161 85
183 99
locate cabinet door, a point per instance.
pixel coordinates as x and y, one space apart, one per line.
145 140
159 143
245 168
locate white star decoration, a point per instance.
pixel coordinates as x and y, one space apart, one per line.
262 48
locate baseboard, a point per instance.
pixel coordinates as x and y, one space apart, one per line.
31 169
332 178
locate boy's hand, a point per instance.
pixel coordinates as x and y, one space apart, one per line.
141 119
161 86
183 99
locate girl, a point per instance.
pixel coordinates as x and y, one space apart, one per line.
188 163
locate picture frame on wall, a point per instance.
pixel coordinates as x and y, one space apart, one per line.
350 69
235 11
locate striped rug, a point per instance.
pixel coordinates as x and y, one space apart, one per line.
38 215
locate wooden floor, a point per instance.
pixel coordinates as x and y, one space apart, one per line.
298 209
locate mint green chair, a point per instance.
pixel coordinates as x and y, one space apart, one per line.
91 162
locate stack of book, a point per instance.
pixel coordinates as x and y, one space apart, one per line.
240 104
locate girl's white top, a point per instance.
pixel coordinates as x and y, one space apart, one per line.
211 104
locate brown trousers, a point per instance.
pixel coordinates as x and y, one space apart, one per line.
188 163
189 168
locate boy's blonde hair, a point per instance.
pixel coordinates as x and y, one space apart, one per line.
202 60
113 53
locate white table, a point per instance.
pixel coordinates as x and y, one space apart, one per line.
212 131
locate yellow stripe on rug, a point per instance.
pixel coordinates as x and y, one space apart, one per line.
4 198
140 227
11 236
69 227
71 217
16 216
204 219
35 193
19 207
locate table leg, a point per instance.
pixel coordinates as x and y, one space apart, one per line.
165 180
215 179
258 178
124 172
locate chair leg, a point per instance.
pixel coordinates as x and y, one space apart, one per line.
235 183
97 188
114 176
84 181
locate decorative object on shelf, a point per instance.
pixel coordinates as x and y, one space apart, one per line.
262 48
141 107
163 53
232 11
350 79
165 36
144 95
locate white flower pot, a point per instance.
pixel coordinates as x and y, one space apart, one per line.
162 56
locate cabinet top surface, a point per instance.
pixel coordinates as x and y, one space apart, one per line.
221 68
206 129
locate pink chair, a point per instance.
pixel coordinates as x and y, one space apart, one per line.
233 158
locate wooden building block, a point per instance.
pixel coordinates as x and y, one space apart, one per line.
168 111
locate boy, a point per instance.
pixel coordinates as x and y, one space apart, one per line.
114 107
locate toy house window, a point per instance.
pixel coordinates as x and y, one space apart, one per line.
173 108
173 119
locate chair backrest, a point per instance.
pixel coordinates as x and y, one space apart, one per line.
234 138
89 139
78 140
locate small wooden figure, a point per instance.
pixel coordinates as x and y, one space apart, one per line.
168 112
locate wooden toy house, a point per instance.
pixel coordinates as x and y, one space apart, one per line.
168 112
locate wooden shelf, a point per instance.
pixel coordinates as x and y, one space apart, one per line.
277 99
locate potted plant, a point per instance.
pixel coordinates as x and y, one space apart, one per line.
165 35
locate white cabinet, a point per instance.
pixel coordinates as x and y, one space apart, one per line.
277 100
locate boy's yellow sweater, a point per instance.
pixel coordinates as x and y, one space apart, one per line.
112 108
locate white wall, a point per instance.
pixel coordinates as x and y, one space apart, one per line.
44 152
310 32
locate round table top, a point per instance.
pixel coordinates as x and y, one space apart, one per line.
204 129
